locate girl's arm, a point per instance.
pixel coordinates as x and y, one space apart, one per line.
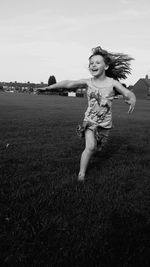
129 96
67 84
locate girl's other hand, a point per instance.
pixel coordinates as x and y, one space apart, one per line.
131 102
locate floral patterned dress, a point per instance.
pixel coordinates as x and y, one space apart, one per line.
98 116
99 111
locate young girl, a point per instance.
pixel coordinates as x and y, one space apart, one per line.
106 69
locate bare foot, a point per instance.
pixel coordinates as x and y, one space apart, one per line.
81 177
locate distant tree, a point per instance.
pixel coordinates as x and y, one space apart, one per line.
51 80
1 88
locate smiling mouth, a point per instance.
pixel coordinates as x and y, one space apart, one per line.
94 70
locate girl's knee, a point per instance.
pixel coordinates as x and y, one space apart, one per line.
90 141
91 148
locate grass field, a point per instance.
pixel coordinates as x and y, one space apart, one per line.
47 218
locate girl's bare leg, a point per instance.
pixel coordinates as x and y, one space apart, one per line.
90 146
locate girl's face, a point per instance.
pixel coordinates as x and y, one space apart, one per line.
97 66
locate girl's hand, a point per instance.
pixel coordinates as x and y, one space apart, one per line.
131 102
129 96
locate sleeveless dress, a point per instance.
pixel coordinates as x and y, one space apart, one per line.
98 116
99 111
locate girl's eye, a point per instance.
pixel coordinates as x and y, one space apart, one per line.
91 63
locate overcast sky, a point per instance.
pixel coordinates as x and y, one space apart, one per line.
39 38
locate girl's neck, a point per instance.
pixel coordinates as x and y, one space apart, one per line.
101 78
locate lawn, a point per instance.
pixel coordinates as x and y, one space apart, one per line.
49 219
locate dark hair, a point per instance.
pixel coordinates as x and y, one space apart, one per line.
119 63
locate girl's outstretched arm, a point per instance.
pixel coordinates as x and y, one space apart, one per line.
129 96
67 84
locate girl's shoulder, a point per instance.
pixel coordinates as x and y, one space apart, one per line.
88 81
83 82
110 81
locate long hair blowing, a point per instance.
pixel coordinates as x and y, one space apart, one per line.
119 63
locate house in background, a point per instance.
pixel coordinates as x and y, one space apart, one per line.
21 87
142 88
